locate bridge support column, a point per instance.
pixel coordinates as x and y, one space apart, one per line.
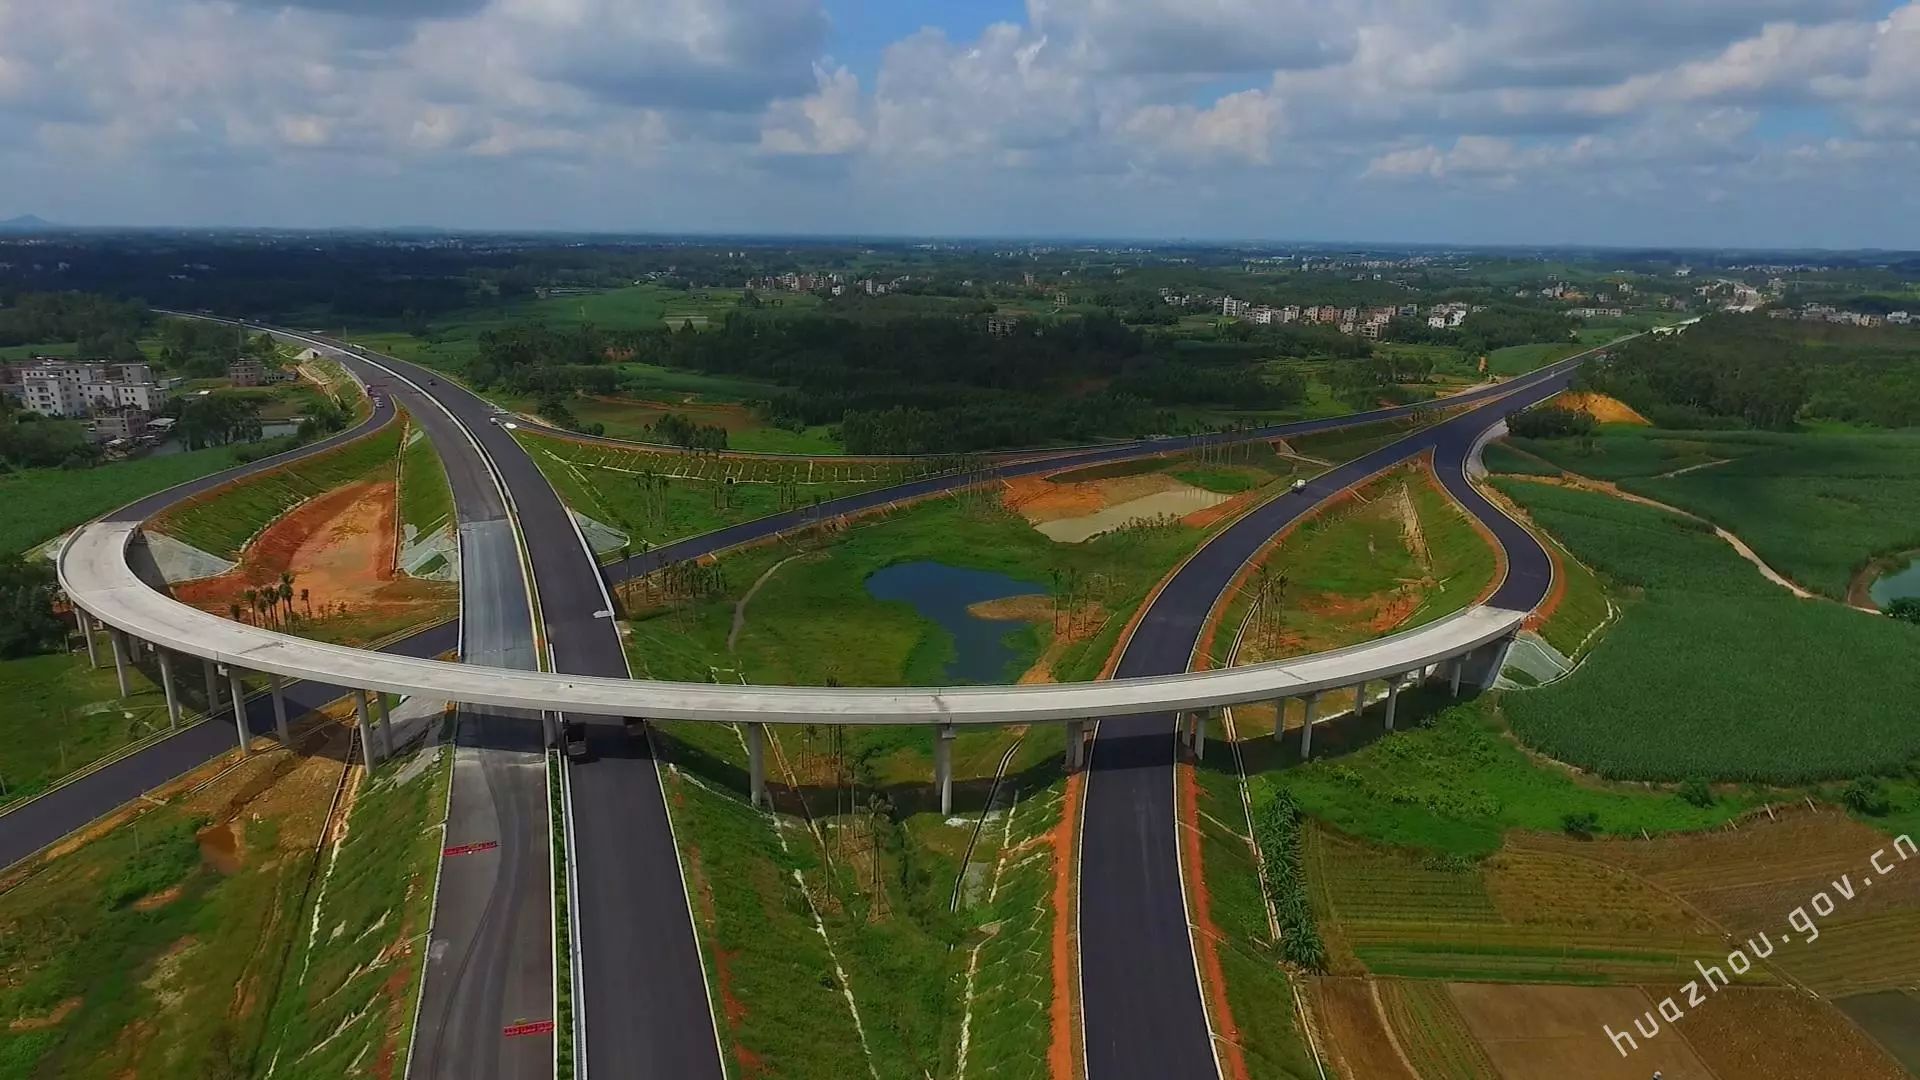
1076 745
1497 659
1458 666
1280 719
166 686
385 725
366 731
1393 698
86 631
1312 703
757 763
239 709
119 642
213 686
279 711
1199 734
943 767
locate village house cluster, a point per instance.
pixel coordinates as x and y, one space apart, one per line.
832 283
1831 314
119 402
1366 322
116 400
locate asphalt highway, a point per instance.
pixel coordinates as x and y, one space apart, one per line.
1143 1015
643 1011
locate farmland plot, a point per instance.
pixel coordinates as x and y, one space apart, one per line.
1436 917
1749 880
1715 672
1431 1030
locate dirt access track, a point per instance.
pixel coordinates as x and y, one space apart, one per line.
339 548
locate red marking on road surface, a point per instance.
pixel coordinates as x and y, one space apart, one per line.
531 1027
468 849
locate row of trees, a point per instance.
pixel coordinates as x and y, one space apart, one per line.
270 605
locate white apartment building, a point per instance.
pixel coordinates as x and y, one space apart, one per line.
63 388
53 395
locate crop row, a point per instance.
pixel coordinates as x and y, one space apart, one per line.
1716 672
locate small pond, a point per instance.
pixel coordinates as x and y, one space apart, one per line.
1896 584
269 429
943 593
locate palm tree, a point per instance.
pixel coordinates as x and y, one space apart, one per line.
252 597
306 603
233 609
285 592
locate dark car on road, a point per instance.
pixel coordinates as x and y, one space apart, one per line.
573 739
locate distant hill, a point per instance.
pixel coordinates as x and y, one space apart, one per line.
25 223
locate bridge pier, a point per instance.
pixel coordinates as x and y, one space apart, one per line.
366 731
757 763
239 709
1393 697
1458 667
1199 745
166 686
119 642
1076 745
279 711
943 767
384 726
86 631
1311 702
213 686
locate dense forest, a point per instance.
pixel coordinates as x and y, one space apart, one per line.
903 385
95 325
1752 371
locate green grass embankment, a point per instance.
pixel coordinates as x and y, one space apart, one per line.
426 500
223 520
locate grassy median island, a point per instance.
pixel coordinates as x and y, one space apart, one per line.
659 496
159 943
856 809
316 541
223 520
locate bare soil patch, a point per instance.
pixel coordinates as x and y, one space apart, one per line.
1765 1034
37 1023
1553 1032
158 900
1357 1035
1041 500
1605 409
339 548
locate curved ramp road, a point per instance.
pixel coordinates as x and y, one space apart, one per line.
639 964
1143 1014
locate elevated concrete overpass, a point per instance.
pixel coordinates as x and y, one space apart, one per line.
94 571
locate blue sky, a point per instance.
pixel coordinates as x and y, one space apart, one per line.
1706 122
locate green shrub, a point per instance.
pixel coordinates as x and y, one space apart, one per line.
1696 791
1866 796
1582 824
160 862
